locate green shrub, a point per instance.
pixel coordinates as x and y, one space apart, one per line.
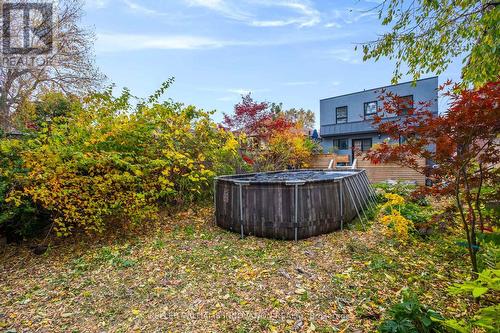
489 252
419 215
414 208
107 160
487 318
24 219
401 189
410 316
487 281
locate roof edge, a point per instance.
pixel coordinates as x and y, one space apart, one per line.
390 85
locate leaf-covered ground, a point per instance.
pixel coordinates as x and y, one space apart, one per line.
190 276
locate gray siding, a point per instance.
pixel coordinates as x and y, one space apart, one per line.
347 128
327 143
358 128
424 91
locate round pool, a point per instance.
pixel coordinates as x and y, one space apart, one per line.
290 204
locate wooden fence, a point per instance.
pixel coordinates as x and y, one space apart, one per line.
376 172
322 161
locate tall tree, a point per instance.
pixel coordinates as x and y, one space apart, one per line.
270 139
69 68
302 117
427 35
467 150
255 119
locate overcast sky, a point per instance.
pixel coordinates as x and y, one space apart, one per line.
290 51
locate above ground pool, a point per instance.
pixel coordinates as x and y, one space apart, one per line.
290 204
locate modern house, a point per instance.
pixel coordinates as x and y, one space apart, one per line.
346 120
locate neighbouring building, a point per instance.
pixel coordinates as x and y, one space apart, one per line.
346 120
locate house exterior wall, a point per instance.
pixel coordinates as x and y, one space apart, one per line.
426 90
327 142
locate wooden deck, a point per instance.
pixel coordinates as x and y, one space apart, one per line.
377 173
321 161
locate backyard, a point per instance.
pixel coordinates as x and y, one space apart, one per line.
107 222
250 166
185 274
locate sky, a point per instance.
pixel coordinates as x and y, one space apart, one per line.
291 51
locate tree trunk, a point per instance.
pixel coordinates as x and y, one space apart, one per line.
478 198
474 246
465 222
4 111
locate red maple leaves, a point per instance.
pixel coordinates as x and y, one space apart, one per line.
466 133
255 119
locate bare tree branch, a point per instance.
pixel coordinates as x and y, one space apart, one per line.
70 68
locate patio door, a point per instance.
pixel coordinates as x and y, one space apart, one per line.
360 145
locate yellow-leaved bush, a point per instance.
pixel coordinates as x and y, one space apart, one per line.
287 148
104 159
394 224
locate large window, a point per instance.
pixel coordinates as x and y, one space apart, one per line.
341 144
362 144
370 109
406 104
341 114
